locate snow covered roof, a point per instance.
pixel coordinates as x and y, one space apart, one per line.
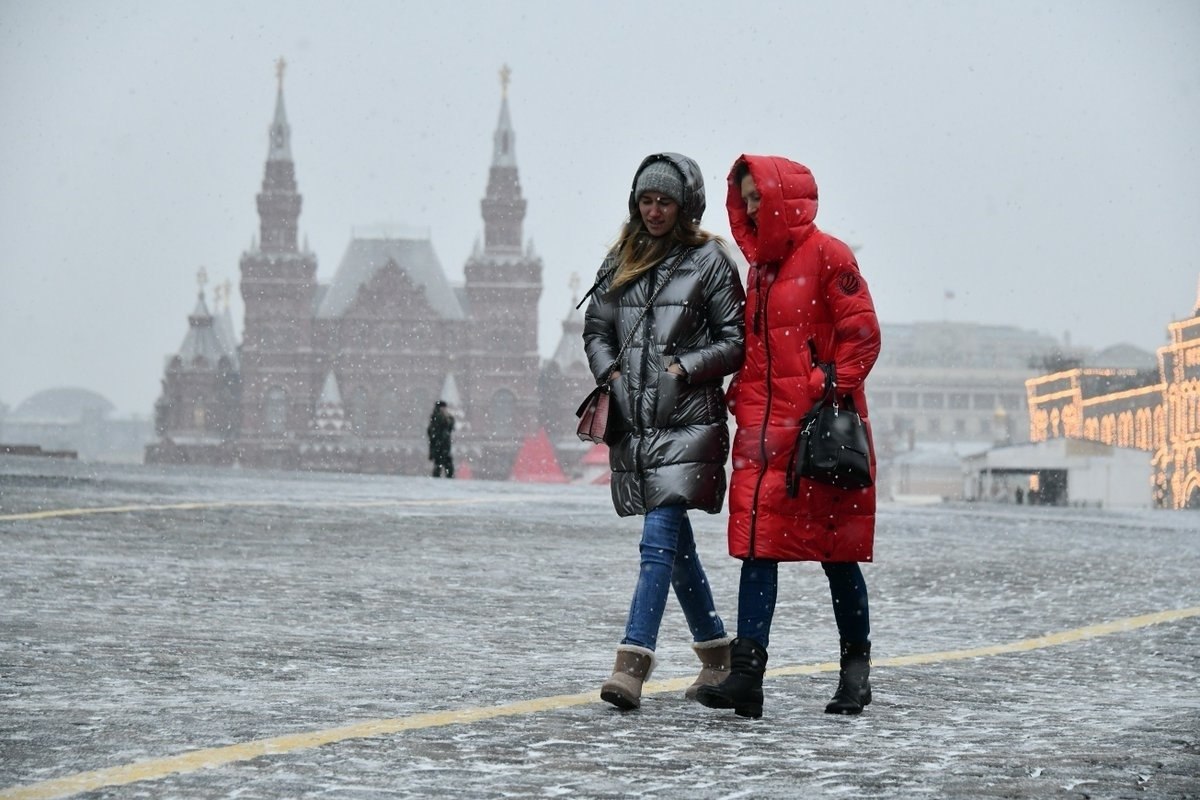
570 355
63 404
962 344
365 257
223 328
940 453
1122 356
202 340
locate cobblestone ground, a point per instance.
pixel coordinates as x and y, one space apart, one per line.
448 638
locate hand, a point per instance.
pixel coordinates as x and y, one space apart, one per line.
818 384
676 369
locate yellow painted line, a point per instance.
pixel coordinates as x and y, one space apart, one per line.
1023 646
218 756
277 745
80 512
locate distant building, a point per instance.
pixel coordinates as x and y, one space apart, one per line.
73 420
344 376
197 415
1059 472
1153 410
565 380
944 383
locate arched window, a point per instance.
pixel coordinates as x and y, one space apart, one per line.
1108 429
1125 429
275 410
1142 439
198 415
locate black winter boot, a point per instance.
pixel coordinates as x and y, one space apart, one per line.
742 690
854 685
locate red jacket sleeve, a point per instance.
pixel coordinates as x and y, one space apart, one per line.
856 337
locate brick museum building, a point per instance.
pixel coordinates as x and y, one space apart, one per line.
344 375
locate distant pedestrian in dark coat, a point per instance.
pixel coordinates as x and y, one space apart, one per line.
668 432
441 424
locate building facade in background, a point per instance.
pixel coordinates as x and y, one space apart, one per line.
1154 410
954 382
344 376
75 423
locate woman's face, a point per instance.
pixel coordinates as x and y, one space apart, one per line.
659 213
751 198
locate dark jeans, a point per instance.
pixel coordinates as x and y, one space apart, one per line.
443 463
760 586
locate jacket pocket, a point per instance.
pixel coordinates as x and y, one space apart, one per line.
670 387
621 416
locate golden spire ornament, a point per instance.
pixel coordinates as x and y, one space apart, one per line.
505 79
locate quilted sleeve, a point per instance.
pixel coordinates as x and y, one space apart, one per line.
856 328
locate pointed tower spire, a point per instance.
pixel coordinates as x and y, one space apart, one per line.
277 368
279 202
503 206
331 412
281 133
504 152
499 365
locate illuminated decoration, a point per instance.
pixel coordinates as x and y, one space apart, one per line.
1156 412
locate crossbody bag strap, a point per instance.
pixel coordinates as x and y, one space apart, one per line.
646 309
605 275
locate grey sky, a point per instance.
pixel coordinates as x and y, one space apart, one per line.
1039 160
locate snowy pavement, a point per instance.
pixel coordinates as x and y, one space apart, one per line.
211 634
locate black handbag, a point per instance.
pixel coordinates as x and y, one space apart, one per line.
832 446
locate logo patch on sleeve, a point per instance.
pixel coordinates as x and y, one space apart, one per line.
849 283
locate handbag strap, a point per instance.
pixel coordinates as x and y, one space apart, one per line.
646 309
830 370
599 280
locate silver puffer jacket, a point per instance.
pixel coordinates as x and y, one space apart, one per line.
668 436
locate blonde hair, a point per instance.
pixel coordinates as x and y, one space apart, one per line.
637 251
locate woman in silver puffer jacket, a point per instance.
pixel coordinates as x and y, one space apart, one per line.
664 328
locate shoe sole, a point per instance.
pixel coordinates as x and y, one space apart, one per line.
619 700
751 711
850 711
710 701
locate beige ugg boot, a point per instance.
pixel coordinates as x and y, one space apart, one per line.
714 664
633 668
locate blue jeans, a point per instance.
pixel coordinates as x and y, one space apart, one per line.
669 559
760 585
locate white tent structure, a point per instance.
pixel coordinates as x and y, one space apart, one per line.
1073 472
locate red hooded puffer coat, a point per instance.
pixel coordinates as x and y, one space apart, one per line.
803 284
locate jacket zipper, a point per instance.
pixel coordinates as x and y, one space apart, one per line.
641 429
762 434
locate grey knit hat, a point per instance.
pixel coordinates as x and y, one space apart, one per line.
660 176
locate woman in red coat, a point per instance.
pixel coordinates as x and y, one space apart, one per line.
805 295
